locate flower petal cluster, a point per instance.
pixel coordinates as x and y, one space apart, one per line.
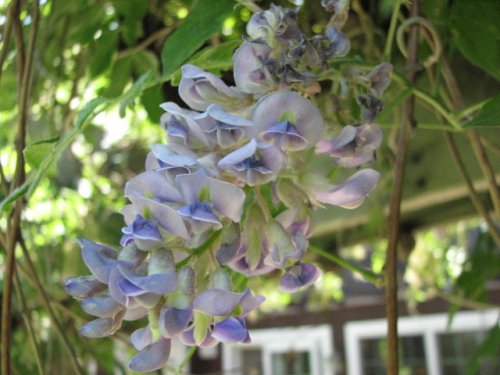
197 216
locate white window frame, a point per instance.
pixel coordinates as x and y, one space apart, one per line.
427 326
316 340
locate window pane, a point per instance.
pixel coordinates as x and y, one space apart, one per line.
291 363
251 360
411 351
456 350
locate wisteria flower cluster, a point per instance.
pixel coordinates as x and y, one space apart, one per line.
223 197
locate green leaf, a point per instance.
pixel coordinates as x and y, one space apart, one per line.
489 115
213 59
476 32
204 20
36 152
488 348
120 76
134 92
105 48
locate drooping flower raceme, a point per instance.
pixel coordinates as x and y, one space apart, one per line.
224 199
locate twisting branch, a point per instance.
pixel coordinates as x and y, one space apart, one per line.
46 302
478 204
407 125
25 64
25 312
472 136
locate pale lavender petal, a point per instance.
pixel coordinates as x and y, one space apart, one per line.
101 306
141 338
285 135
251 74
227 198
99 259
129 213
102 327
218 113
379 78
160 283
153 357
231 330
153 184
200 211
249 303
217 302
304 115
135 313
347 135
190 185
199 88
83 286
117 284
297 276
167 217
180 124
174 155
353 191
174 321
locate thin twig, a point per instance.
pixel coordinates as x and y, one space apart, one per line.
478 204
46 302
486 167
7 30
146 42
368 275
465 302
25 312
393 221
473 137
19 176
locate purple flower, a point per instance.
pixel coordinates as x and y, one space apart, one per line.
181 127
255 163
141 338
231 330
153 357
102 327
298 276
221 302
174 157
99 259
102 306
339 43
352 192
222 128
83 286
289 120
379 78
274 25
220 198
354 146
253 68
143 232
199 89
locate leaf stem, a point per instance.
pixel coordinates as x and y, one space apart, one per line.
368 275
392 31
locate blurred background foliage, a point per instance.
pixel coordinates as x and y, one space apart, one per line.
100 70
